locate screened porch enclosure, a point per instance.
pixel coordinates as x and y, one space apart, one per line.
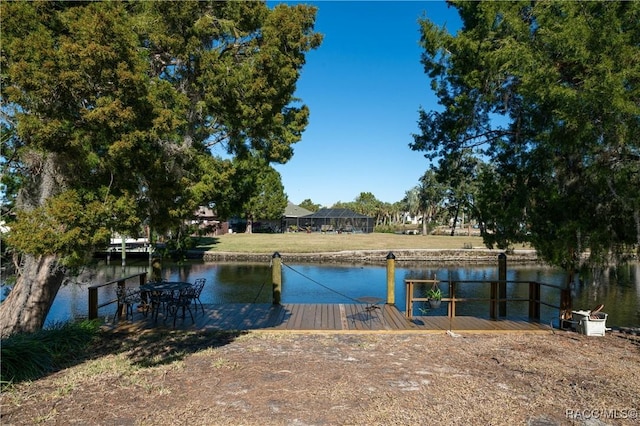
337 220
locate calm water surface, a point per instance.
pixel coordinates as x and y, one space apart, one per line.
618 289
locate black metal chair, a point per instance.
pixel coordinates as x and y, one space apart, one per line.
159 299
198 286
128 298
181 300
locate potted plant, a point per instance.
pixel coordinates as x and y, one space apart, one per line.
435 297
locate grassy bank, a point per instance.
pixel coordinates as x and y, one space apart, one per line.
30 356
317 242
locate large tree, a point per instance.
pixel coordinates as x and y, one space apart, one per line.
547 94
426 199
258 192
112 108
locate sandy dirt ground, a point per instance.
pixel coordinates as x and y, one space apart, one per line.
340 379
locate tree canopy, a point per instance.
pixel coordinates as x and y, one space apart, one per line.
310 205
426 199
109 111
547 96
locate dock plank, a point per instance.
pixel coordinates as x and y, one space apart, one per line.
297 316
350 317
344 322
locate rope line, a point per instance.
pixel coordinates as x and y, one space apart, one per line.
320 284
259 293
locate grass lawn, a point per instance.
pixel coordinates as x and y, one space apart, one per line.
318 242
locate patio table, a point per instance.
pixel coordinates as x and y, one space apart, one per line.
163 292
165 286
371 304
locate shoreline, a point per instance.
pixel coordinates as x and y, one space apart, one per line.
474 255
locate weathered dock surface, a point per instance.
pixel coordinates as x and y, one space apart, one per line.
330 318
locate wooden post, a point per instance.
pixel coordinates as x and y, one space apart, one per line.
565 306
493 303
144 297
409 297
391 279
452 301
93 303
502 286
534 300
123 244
121 308
276 277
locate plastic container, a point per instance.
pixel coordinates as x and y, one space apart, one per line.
590 325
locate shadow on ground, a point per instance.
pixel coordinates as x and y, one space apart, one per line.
157 347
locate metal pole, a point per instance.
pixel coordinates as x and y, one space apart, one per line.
391 278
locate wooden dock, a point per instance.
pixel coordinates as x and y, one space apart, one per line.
328 318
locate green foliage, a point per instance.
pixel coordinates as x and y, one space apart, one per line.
310 205
120 103
546 95
9 182
269 200
110 111
179 243
367 204
434 293
384 229
258 192
426 199
68 223
30 356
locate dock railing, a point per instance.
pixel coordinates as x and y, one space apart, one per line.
497 300
94 304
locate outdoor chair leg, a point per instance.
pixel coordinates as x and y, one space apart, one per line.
127 309
184 309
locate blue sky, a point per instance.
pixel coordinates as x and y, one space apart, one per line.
363 86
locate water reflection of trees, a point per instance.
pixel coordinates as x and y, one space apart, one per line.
243 283
234 273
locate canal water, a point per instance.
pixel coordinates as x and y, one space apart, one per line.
618 289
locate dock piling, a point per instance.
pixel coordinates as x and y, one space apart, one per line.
276 277
391 278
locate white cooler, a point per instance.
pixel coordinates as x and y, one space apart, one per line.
589 326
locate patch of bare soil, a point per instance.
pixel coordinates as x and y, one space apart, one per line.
340 379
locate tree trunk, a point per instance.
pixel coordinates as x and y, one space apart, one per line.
636 216
249 228
455 221
39 276
425 223
27 305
